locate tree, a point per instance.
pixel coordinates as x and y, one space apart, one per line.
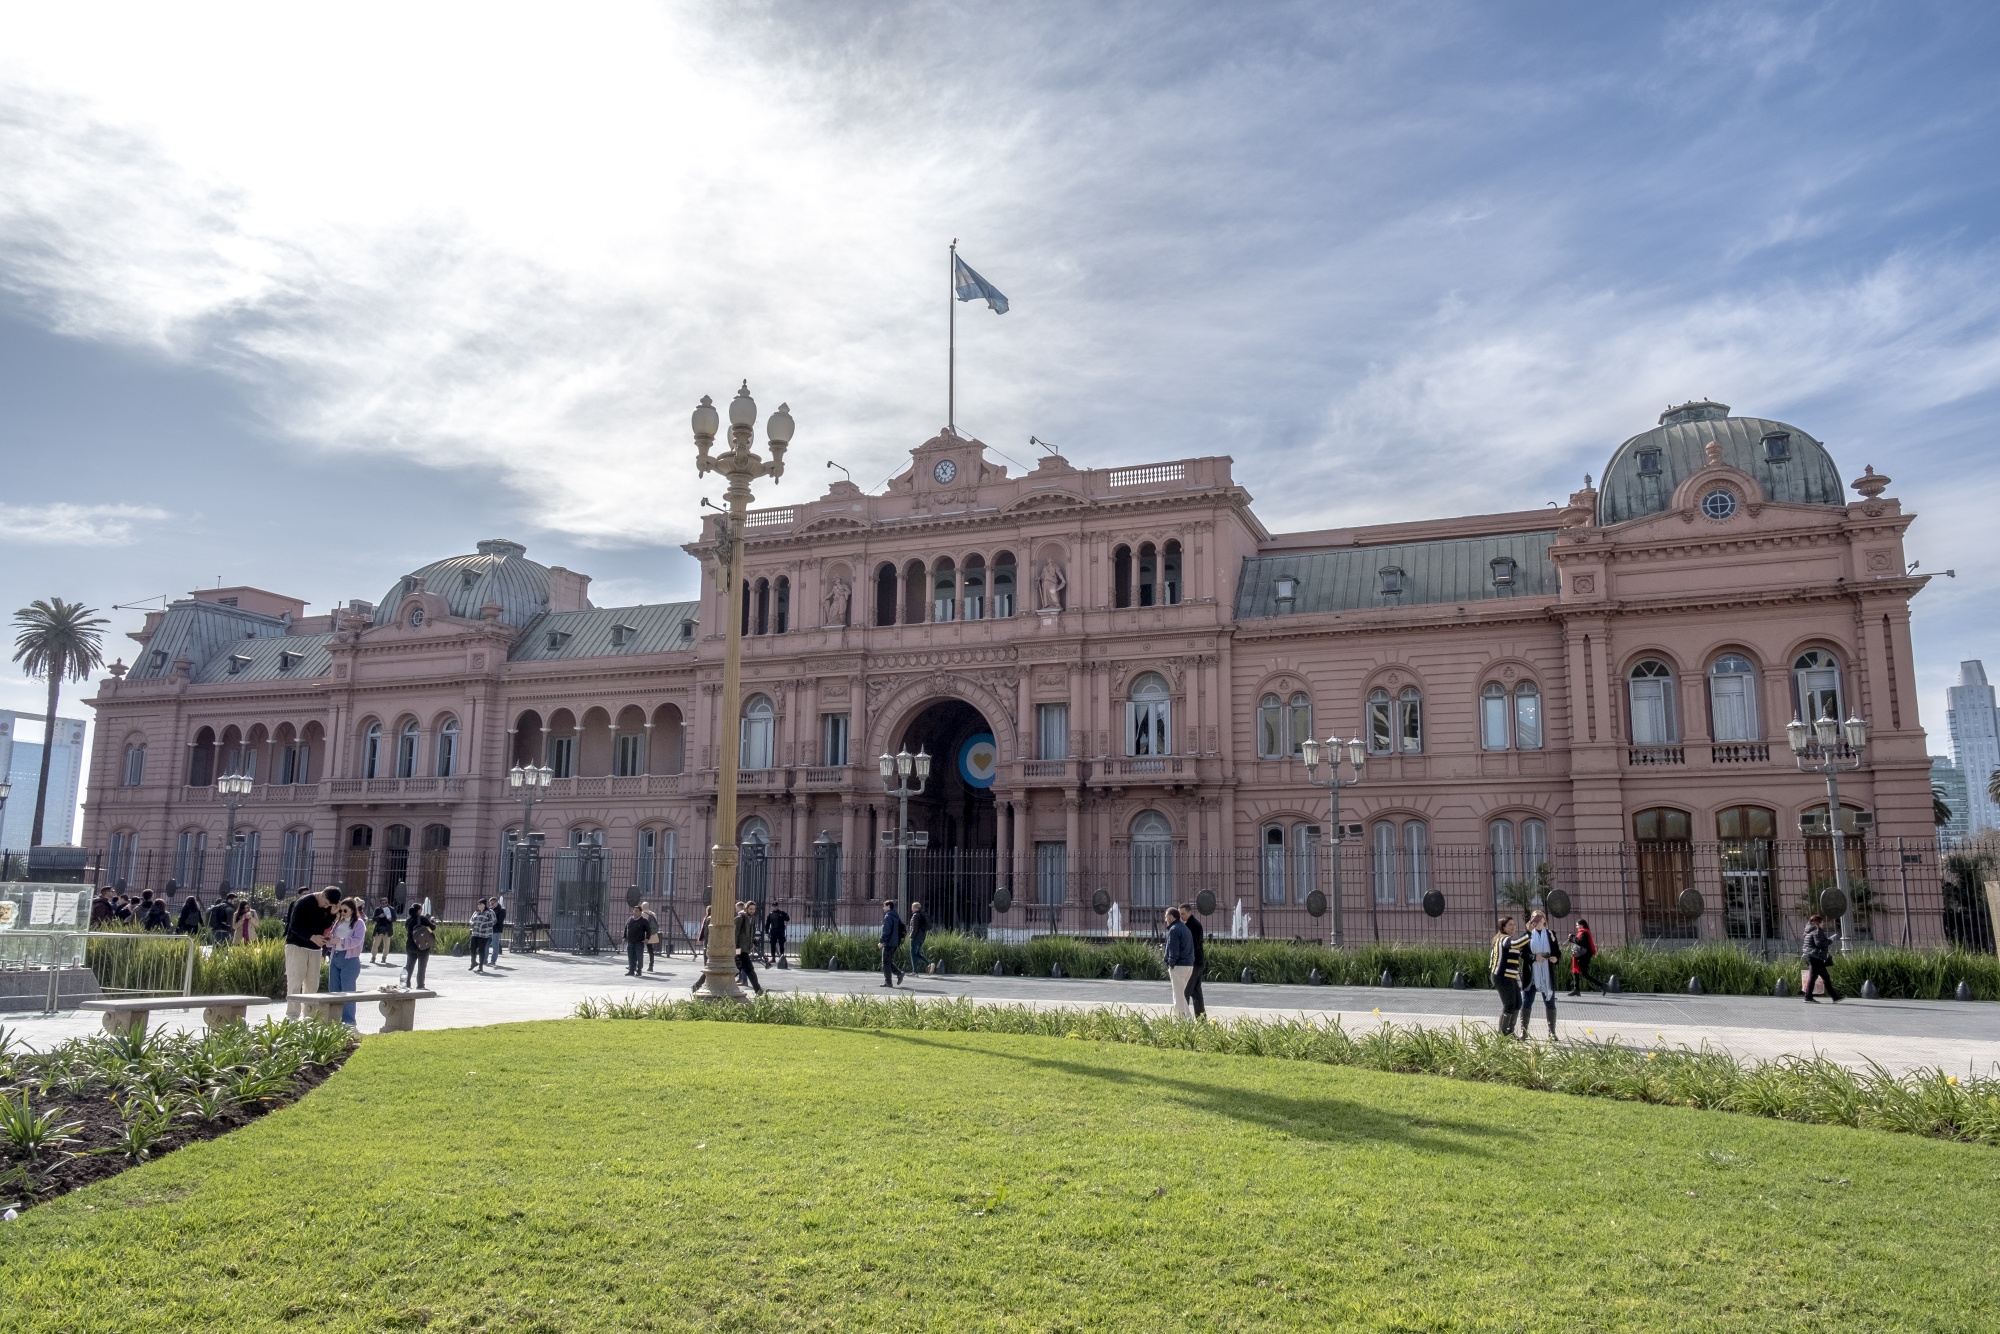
1940 810
1993 785
56 640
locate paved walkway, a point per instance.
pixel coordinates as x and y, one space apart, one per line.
1901 1035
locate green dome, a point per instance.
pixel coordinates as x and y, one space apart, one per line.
499 572
1790 466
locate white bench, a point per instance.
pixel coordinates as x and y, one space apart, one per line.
130 1016
399 1007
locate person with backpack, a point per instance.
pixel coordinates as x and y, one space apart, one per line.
1506 962
481 927
891 939
1582 949
419 939
190 920
1818 950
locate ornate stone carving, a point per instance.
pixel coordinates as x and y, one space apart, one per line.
1583 583
837 602
1050 581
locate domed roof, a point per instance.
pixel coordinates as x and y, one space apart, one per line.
1791 466
499 572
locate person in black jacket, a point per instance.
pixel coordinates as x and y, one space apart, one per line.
746 937
499 932
157 918
220 914
920 927
419 938
190 918
776 923
892 936
1818 950
637 928
1193 925
1508 961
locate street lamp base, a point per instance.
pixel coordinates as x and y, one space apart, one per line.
720 984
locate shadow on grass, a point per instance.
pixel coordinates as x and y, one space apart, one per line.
1327 1120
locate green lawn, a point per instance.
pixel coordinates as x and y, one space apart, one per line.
598 1175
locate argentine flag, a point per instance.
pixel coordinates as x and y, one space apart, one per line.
970 286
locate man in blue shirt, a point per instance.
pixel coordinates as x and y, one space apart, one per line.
892 936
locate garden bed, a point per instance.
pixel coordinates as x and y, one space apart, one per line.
93 1107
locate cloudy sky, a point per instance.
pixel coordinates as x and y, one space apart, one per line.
306 297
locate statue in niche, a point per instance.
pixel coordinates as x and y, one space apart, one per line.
839 597
1050 581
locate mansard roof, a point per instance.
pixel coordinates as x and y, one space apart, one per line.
1351 578
199 631
293 657
656 627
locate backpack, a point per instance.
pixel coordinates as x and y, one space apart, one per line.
422 937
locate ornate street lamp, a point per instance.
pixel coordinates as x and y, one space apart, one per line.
897 771
235 790
1832 748
526 782
741 465
1330 751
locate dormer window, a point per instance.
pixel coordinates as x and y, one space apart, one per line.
1392 580
468 578
557 638
621 635
159 658
285 660
227 602
1503 573
1778 446
1649 463
237 662
687 629
1288 592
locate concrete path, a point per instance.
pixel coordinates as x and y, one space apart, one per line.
1901 1035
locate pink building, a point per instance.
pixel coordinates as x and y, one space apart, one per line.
1115 668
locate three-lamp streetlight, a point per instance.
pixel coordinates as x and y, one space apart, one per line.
741 465
526 782
1332 751
235 790
897 772
1832 748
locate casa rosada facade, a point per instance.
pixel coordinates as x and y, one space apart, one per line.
1114 669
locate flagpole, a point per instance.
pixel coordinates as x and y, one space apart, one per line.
951 344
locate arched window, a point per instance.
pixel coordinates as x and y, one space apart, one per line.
1816 685
1666 867
885 595
201 761
1149 575
1271 864
1746 843
1535 850
1382 859
975 588
781 605
759 727
656 861
914 592
1381 727
1170 574
406 750
1732 698
295 859
1651 692
1410 720
1121 576
371 751
1298 721
191 859
1003 584
124 858
944 590
1152 860
1493 716
1416 860
1527 716
1500 848
1270 728
433 859
447 748
1149 717
762 618
753 874
1305 861
135 765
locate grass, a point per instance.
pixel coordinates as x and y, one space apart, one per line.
667 1176
1724 970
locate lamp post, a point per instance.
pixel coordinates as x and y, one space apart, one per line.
235 790
1313 752
741 466
526 782
1832 748
897 771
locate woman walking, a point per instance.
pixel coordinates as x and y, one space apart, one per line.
481 927
344 943
190 919
245 926
383 938
1505 963
419 936
1582 949
1543 952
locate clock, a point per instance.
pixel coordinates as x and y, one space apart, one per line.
945 471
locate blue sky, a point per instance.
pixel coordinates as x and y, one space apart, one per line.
305 298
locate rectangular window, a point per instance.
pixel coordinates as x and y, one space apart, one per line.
1651 716
755 742
1527 716
135 766
1272 876
1306 874
297 868
1051 872
1148 727
124 853
1052 731
1493 719
1378 724
1270 730
1416 860
1500 843
833 739
628 756
1729 697
190 854
1410 722
562 756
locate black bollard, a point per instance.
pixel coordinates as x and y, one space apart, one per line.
1964 991
1386 980
1612 986
1458 982
1695 987
1118 973
1056 970
1247 976
1313 979
999 969
1783 989
1868 991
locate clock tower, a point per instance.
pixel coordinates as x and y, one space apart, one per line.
948 463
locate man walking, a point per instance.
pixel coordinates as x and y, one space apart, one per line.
1180 962
1193 924
636 928
499 930
1818 950
920 926
306 925
220 914
652 934
481 926
892 937
776 924
746 936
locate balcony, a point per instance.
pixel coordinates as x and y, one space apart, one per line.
1740 752
621 785
828 776
264 794
1648 757
1148 771
393 789
1051 773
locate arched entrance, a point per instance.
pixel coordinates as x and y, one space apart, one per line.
954 877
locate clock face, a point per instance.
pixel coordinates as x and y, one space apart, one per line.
945 470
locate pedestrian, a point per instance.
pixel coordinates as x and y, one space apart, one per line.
157 918
1539 979
652 934
1193 924
101 910
1582 949
306 927
1505 963
499 930
892 937
419 939
637 928
777 925
345 939
382 938
190 918
746 940
1180 962
244 925
220 914
920 927
481 927
1818 950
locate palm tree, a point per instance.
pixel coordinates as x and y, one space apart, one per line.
1941 812
56 640
1993 785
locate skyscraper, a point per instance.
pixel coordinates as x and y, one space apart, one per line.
1975 741
22 761
1948 782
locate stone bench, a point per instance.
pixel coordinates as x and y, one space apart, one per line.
399 1007
130 1016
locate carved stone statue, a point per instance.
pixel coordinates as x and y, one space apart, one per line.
839 597
1050 581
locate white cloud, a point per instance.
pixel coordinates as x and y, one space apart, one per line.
60 523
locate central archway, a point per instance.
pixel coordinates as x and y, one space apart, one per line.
954 877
